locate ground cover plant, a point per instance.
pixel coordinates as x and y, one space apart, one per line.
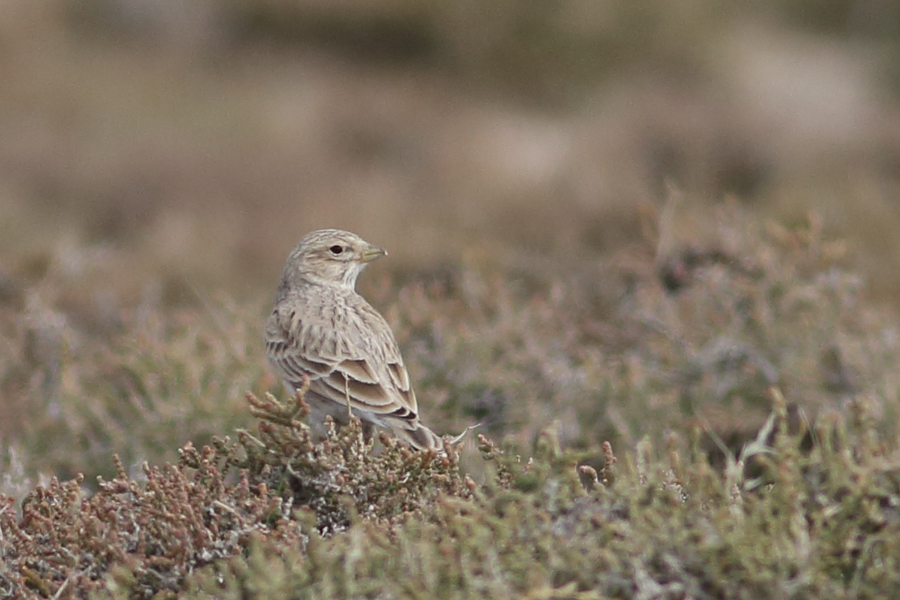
276 515
649 248
718 422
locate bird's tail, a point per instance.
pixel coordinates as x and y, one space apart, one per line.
422 438
419 437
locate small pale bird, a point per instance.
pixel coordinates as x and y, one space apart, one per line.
321 327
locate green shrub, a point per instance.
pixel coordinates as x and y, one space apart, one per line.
277 514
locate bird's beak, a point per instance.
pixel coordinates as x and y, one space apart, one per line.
373 252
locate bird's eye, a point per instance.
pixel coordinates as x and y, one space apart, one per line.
336 249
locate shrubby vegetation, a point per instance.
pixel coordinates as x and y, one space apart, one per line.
720 424
600 252
278 515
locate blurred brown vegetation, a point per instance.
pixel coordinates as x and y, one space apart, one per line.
617 219
201 142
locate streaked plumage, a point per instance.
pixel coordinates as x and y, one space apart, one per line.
321 327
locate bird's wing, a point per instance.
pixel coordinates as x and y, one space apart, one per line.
362 367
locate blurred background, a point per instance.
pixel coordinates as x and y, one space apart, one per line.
155 154
203 139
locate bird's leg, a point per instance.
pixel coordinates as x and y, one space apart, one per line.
366 428
347 396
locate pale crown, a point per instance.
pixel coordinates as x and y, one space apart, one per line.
328 257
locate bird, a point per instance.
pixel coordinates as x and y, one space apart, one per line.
322 328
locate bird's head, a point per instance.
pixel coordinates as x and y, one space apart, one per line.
330 256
